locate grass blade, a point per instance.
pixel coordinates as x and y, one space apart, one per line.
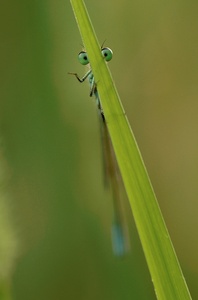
164 267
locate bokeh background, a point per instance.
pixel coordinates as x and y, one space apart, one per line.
55 215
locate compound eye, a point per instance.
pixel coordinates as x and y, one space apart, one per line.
83 58
107 53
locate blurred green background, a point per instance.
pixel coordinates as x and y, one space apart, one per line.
55 216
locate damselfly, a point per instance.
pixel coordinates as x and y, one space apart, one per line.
111 177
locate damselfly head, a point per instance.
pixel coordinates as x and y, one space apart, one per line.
107 53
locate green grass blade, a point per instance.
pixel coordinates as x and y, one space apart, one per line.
165 271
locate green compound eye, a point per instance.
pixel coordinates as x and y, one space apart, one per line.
83 58
107 53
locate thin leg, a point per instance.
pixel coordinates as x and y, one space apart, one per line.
83 78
